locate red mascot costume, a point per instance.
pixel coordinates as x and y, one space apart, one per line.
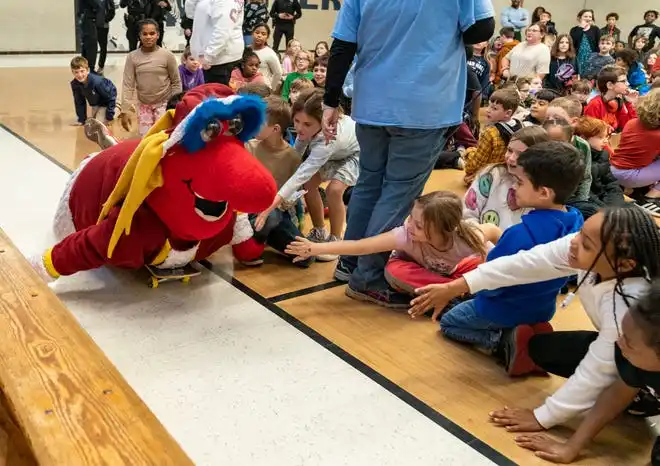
177 195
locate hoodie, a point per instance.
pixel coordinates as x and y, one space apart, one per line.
218 31
190 79
535 302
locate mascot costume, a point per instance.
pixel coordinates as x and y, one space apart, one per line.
177 195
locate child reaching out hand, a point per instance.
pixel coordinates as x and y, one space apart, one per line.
435 245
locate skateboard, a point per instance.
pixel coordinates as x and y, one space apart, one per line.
183 274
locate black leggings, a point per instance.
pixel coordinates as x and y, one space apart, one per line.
560 353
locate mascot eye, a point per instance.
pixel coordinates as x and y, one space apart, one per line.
235 126
212 130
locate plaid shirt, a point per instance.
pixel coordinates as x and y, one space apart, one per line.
490 149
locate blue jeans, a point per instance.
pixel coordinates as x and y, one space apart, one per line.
395 164
462 323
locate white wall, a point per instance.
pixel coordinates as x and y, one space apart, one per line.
48 25
37 25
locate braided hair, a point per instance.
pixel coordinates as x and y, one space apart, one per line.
633 235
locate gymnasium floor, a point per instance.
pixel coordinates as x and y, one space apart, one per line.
269 365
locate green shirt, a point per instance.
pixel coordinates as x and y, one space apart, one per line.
290 78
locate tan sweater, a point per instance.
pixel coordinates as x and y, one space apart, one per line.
281 164
154 75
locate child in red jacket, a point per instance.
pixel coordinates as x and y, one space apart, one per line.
614 105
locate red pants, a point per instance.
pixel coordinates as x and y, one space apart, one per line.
406 276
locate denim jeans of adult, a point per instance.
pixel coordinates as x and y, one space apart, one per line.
395 164
278 231
463 323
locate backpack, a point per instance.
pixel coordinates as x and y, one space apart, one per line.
109 10
506 130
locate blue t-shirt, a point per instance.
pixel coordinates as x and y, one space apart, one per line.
410 71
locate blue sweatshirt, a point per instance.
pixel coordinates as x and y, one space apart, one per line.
516 18
536 302
98 92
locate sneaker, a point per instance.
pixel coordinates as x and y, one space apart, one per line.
516 355
317 235
386 298
328 257
98 133
343 272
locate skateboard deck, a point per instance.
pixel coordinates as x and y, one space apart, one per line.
184 274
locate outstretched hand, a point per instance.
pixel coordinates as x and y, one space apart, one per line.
516 420
434 297
302 248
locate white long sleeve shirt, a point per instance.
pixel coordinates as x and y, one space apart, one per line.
345 145
218 32
597 370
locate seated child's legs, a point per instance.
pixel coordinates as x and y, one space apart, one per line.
462 323
283 233
543 349
639 177
273 220
406 276
336 207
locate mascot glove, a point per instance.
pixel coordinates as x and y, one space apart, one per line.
39 264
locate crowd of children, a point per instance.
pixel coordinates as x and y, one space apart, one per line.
545 199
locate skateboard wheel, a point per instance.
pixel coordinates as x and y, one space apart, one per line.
153 283
185 280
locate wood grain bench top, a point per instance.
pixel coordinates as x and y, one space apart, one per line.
70 402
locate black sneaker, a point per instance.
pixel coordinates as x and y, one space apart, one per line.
386 298
343 272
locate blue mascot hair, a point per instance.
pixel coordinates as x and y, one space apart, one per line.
251 109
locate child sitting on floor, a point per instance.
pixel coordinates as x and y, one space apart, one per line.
247 72
494 138
320 70
435 245
539 107
276 154
96 90
302 64
614 105
637 382
546 175
336 162
297 86
491 198
560 129
605 189
635 162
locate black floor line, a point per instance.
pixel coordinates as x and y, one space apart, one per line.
305 291
405 396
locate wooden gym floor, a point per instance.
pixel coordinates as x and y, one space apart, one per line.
452 385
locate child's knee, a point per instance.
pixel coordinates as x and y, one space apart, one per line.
335 190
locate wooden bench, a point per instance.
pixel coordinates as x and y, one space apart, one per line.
61 400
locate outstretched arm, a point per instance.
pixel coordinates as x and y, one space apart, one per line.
303 248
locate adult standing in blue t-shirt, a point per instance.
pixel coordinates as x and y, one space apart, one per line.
409 89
